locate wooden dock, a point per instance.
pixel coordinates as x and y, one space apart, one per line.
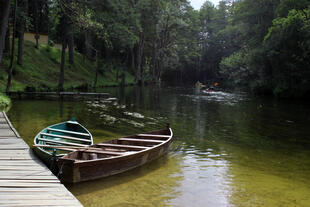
25 180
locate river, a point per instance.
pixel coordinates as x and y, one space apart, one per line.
229 148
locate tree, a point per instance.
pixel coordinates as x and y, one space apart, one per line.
288 49
4 15
22 23
13 50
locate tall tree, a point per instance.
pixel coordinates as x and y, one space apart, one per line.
64 42
4 15
21 30
13 50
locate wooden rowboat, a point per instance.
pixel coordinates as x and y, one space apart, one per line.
114 156
50 142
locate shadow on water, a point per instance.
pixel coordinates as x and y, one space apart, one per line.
229 149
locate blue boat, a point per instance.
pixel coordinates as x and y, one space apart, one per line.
58 140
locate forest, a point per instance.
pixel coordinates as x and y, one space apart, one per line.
262 46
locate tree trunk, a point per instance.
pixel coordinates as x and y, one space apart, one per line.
37 36
4 15
99 66
123 82
154 60
117 70
70 33
88 51
7 46
108 59
20 57
13 51
139 60
133 63
71 46
62 65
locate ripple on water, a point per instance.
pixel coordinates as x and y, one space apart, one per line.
218 96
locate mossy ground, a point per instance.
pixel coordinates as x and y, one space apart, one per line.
42 66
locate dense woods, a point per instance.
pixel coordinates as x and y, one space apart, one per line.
261 45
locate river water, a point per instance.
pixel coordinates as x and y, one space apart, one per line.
229 149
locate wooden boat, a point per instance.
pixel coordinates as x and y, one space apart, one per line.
114 156
69 134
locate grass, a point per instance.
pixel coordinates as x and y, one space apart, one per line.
42 66
4 101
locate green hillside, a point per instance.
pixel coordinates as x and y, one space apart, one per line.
42 66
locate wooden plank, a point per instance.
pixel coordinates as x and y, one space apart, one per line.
3 120
141 140
7 133
102 152
12 140
65 137
62 202
25 172
12 157
61 190
29 181
122 146
154 135
25 163
28 185
68 132
12 167
60 142
36 197
4 126
14 151
28 177
36 205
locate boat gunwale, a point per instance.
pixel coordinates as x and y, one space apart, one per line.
63 154
125 155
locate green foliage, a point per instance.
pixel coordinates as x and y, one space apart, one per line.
235 67
288 49
4 101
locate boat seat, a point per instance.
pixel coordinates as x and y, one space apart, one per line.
64 143
66 137
102 152
132 147
67 132
154 135
141 140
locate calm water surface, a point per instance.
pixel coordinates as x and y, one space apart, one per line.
229 149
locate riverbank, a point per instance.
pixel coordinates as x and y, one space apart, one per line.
4 101
42 66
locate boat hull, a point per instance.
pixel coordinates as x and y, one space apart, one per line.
74 172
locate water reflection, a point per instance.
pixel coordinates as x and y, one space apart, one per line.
229 149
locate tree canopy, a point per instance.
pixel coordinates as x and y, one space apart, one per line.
260 45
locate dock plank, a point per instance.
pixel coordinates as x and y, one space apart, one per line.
24 179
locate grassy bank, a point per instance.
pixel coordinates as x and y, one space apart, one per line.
4 101
42 66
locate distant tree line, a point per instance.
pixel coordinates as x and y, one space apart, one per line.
261 45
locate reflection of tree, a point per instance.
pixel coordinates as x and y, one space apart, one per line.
153 184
